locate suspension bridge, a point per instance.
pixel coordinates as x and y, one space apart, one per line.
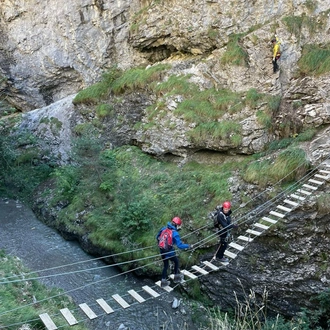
278 208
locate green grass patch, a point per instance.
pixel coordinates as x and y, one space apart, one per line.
295 24
289 165
118 81
176 85
315 60
225 130
17 298
104 110
311 5
264 118
134 195
92 94
235 54
306 135
139 78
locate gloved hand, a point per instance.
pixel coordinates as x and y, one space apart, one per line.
191 246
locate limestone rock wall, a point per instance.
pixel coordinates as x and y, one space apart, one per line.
49 50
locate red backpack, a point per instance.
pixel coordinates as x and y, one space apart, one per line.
165 240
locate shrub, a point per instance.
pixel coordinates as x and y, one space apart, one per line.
104 110
20 159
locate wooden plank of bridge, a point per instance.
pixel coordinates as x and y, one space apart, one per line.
210 265
324 171
291 202
87 310
200 270
136 296
236 246
122 302
283 208
68 316
259 225
254 232
166 288
309 186
244 238
47 321
301 191
297 197
316 181
149 290
277 214
230 254
189 274
321 176
105 306
269 220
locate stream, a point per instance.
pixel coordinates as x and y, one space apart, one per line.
86 278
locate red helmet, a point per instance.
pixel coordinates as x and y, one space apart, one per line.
226 205
177 221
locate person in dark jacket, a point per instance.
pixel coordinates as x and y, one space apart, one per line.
224 226
170 255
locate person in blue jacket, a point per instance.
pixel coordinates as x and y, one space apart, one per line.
168 252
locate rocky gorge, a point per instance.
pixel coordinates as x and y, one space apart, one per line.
51 51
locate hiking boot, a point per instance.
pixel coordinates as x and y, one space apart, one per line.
223 259
178 278
164 283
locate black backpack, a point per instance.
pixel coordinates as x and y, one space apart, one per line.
214 217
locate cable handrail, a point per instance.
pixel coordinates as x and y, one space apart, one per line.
198 244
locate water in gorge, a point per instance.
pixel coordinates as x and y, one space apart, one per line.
85 278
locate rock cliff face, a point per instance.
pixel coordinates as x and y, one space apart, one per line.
288 264
50 50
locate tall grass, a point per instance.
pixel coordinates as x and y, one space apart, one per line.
289 165
138 78
235 54
224 130
251 313
295 24
118 81
14 296
315 60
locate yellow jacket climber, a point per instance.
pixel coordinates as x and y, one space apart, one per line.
276 53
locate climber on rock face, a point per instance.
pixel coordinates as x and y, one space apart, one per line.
276 53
